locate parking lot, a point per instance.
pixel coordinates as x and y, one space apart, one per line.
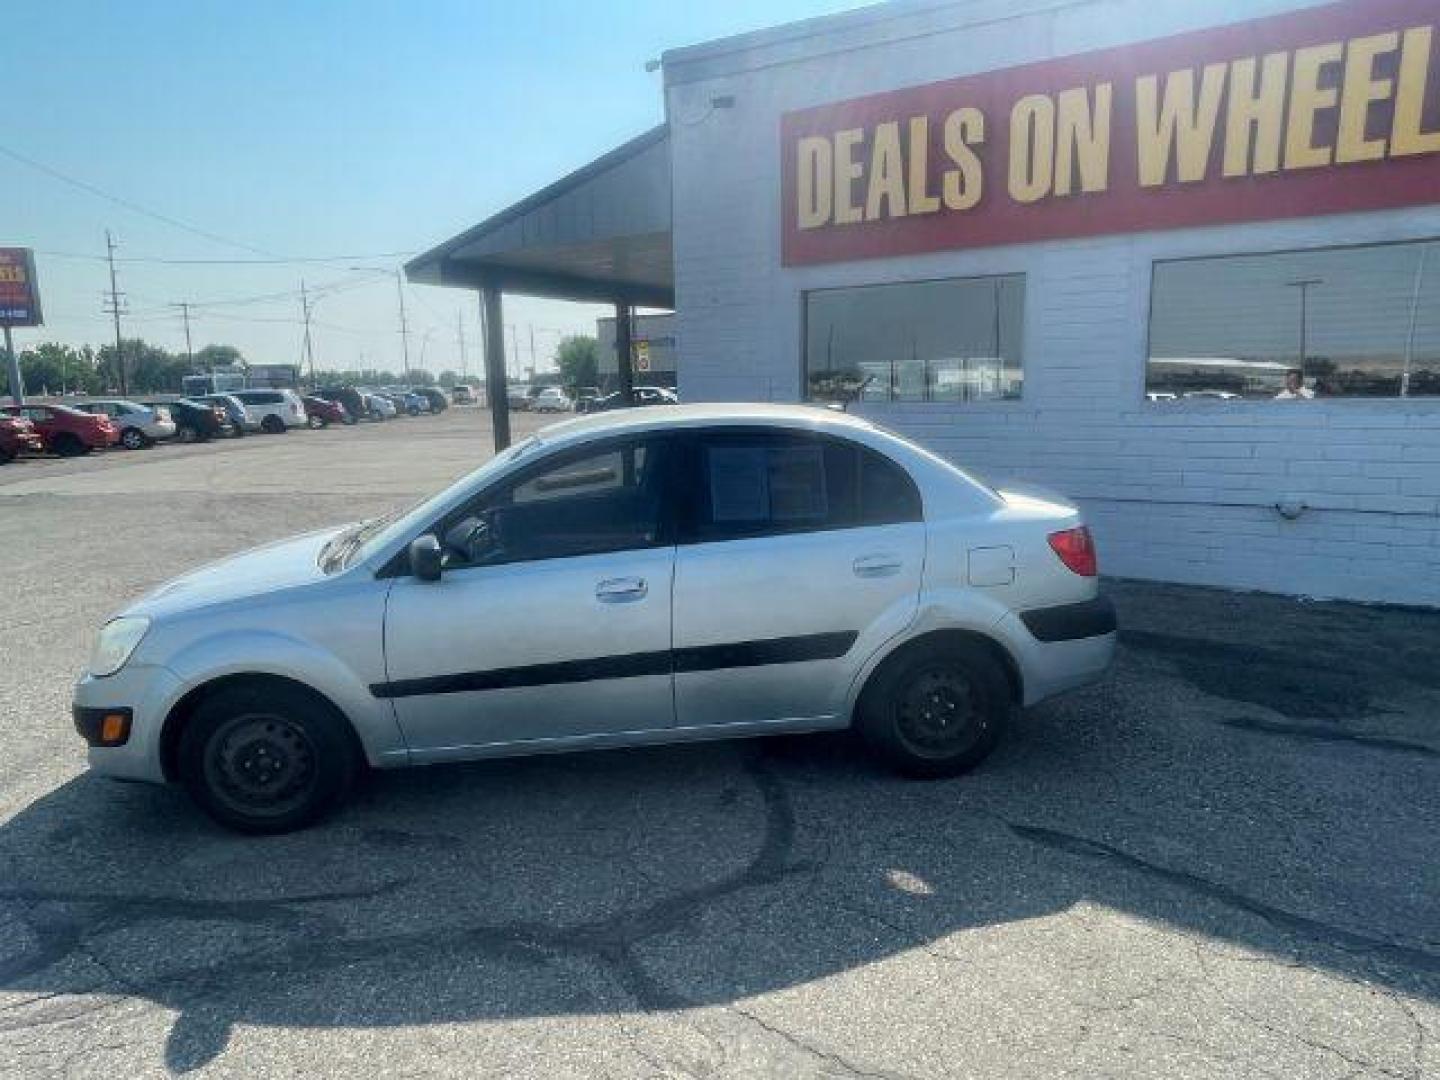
1224 861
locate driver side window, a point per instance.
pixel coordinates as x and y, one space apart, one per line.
583 503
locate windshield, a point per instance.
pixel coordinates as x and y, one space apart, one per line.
361 541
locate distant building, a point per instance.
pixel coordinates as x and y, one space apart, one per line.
654 351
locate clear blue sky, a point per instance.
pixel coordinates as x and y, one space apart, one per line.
316 128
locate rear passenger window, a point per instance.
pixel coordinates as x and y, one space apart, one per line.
765 484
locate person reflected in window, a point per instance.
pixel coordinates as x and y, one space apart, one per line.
1295 388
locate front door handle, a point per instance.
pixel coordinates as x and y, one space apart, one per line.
877 565
621 590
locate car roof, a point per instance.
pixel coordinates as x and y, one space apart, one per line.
764 414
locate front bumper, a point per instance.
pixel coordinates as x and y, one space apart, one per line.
147 692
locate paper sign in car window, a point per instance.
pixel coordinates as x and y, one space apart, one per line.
739 483
797 484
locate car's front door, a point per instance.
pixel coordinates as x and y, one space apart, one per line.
551 620
800 555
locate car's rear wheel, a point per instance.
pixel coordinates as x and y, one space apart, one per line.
272 425
133 439
267 758
936 709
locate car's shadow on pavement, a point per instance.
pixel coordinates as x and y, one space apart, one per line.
666 879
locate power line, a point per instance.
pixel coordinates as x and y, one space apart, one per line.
133 206
165 260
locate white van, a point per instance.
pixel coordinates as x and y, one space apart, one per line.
275 411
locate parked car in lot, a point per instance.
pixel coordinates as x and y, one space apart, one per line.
66 431
196 421
552 399
241 420
646 576
644 395
323 413
380 407
522 398
18 436
348 396
438 402
276 411
139 425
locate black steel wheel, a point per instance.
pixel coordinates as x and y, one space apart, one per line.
267 757
936 708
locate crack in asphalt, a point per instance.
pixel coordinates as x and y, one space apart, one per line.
1325 933
1326 733
611 940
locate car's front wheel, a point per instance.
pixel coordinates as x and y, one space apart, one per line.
267 758
936 709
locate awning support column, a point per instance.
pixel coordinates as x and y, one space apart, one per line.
496 384
624 353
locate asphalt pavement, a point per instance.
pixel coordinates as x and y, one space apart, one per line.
1224 861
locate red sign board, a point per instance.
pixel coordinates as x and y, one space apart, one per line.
19 292
1325 110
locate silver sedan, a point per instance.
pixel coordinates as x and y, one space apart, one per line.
645 576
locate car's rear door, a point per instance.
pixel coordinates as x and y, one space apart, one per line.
800 554
560 629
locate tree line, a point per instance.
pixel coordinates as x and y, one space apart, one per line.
53 369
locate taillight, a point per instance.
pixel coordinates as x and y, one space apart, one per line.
1076 549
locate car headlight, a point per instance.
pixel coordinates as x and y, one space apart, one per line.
118 639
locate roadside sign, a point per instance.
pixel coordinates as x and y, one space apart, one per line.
642 355
19 291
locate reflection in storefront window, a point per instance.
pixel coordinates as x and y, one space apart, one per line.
1360 322
951 340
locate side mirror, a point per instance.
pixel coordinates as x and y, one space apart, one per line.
425 558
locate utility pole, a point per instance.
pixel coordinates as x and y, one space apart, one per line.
189 351
309 348
114 309
17 384
460 333
404 328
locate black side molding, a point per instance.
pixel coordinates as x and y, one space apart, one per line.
1069 622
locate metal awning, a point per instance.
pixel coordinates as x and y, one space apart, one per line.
600 234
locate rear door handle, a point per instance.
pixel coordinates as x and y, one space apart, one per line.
877 565
621 590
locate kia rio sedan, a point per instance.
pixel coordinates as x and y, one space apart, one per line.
637 577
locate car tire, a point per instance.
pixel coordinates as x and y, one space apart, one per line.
67 445
133 439
936 709
265 758
273 425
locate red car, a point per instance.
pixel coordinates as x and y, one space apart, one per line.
17 436
66 431
323 413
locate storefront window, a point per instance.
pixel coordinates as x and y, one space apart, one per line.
952 340
1360 322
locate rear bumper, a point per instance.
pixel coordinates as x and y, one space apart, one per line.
1070 622
1061 648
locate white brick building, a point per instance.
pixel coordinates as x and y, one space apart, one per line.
1181 490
